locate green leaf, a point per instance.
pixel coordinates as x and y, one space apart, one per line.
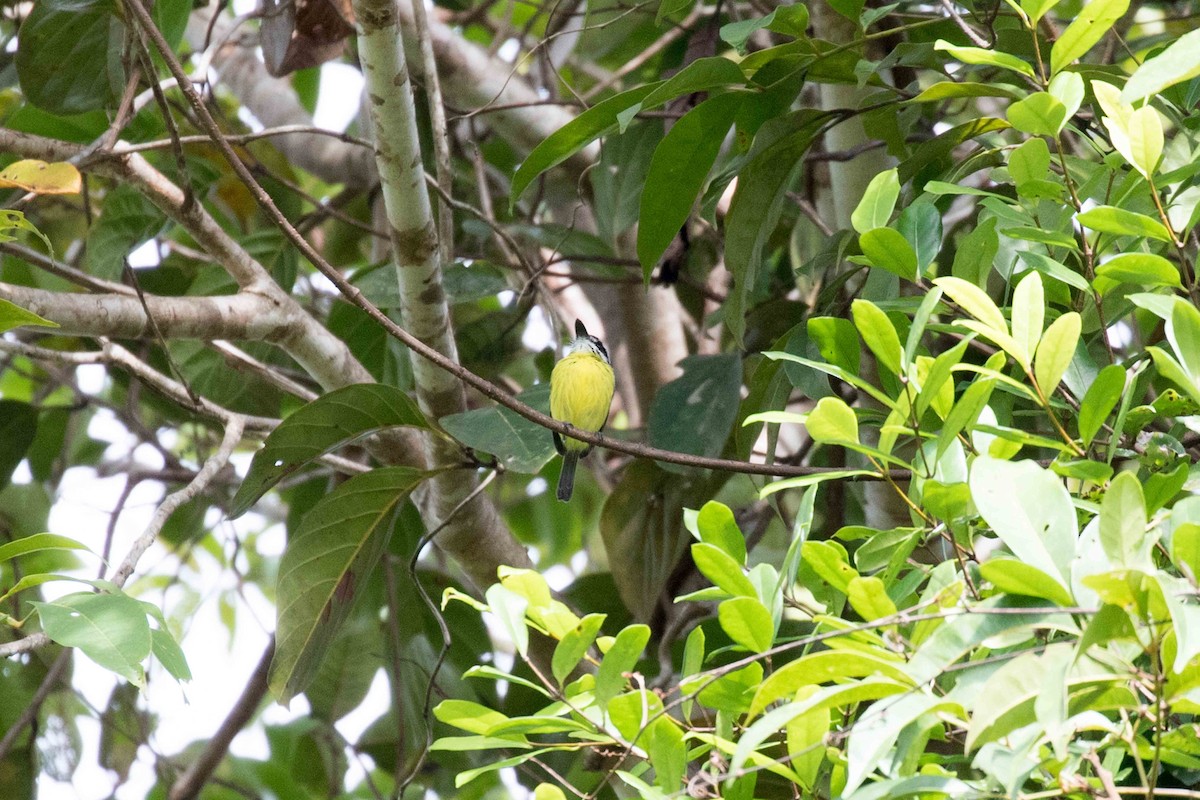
1183 332
877 203
522 446
828 560
110 629
836 341
1036 9
678 172
732 691
719 528
720 568
1028 312
869 599
1029 510
1140 269
976 252
974 301
325 567
319 426
18 427
37 543
879 334
621 658
695 412
921 225
128 219
1067 88
1123 524
757 202
824 666
791 20
748 622
1056 351
832 421
702 74
1016 577
1178 63
574 646
170 654
13 316
1099 401
887 249
68 61
947 90
991 58
1040 114
1088 28
1119 222
468 715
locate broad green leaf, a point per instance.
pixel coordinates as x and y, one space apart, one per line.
1016 577
127 220
757 202
1173 371
1067 88
974 301
879 334
13 316
316 428
1183 332
67 62
695 412
1185 548
621 658
1028 312
509 608
1123 523
18 428
836 341
921 226
720 568
1140 269
1029 510
1119 222
574 646
811 480
825 666
1178 63
1040 114
747 622
325 567
1085 30
37 543
110 629
828 560
991 58
1136 134
788 20
806 741
887 249
1099 401
976 252
1056 351
522 446
548 791
1036 9
946 90
868 596
719 528
878 727
877 203
827 697
468 715
832 421
701 75
678 171
730 692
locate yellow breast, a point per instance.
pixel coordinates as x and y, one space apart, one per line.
581 391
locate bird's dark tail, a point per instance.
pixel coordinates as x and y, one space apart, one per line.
566 479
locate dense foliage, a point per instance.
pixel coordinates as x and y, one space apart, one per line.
897 497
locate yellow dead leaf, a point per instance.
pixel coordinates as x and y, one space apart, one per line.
40 177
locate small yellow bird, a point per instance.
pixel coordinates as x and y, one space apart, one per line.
581 392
